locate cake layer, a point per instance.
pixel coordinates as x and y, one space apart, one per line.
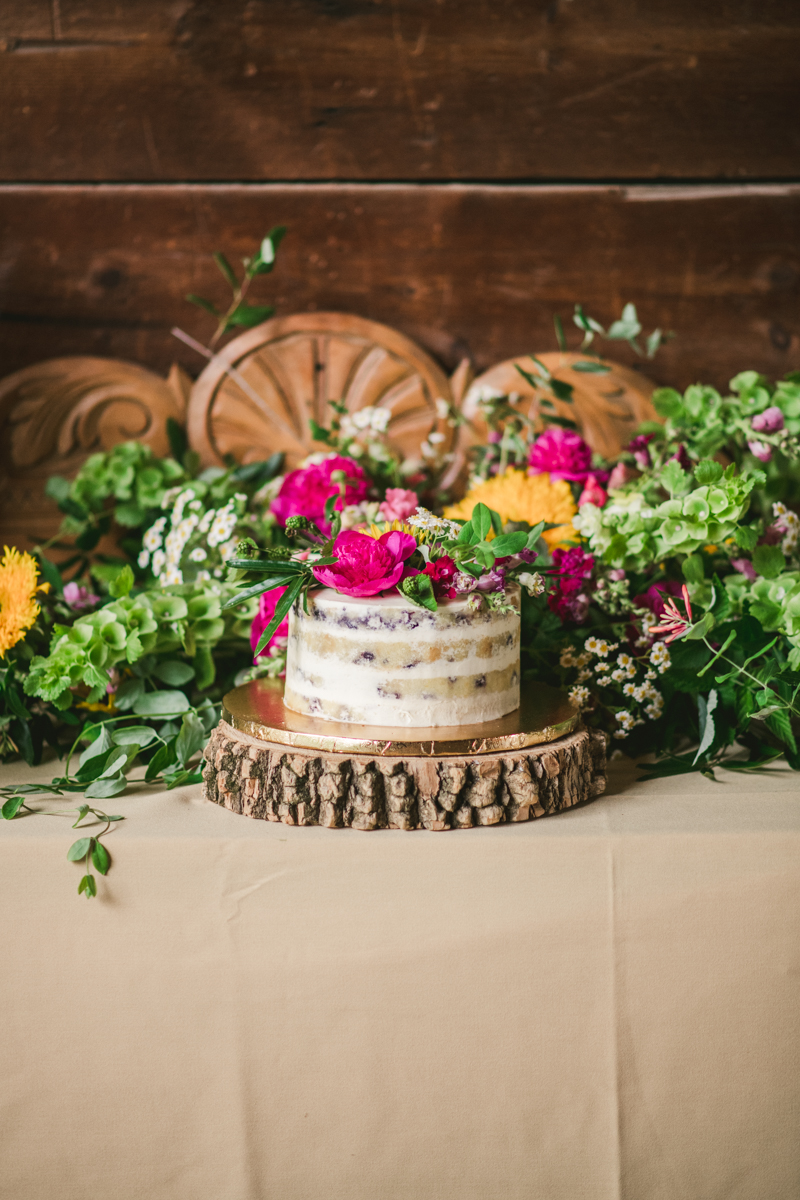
384 661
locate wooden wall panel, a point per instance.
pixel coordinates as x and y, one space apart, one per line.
463 270
399 89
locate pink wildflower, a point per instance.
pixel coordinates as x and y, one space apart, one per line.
760 450
672 623
639 448
79 597
562 453
304 491
367 565
442 572
399 504
620 475
592 493
769 421
745 567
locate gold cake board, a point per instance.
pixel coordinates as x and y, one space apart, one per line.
267 762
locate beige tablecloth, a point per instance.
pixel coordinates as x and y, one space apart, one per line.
598 1005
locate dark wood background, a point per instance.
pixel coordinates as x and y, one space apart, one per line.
460 169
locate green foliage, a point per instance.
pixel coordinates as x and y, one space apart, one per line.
240 314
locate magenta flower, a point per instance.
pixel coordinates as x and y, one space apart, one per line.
267 604
562 453
639 448
442 572
761 451
681 457
569 598
366 565
304 491
592 493
399 504
768 421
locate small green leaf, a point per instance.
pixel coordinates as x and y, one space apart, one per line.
700 628
100 858
559 328
206 305
708 471
248 315
769 561
134 735
173 672
482 520
561 391
508 543
12 807
88 885
178 442
694 569
589 366
281 609
122 584
705 708
80 849
226 269
192 737
466 535
102 789
161 759
673 477
160 704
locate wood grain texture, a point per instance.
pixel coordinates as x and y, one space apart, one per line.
309 787
462 270
407 89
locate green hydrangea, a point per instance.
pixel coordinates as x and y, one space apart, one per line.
187 619
132 475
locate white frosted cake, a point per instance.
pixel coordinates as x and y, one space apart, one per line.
385 661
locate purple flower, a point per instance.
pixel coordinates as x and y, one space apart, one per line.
761 451
79 597
639 449
367 565
745 567
562 453
681 457
492 581
768 421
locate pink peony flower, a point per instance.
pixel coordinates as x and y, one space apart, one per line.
79 597
620 475
399 504
761 451
592 493
367 565
569 599
304 491
443 572
268 602
768 421
562 453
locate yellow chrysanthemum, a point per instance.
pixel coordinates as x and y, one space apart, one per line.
520 497
19 607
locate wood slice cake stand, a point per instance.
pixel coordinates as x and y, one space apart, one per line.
265 761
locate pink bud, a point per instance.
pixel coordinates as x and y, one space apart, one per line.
592 493
621 475
761 451
745 567
768 421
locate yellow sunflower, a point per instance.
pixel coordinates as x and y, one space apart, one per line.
520 497
19 607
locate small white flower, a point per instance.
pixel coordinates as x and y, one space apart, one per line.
442 408
567 658
436 438
159 562
620 733
584 675
602 666
203 576
533 584
144 558
152 538
618 675
198 554
580 696
205 523
630 689
173 576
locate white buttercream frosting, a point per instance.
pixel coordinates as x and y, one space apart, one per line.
385 661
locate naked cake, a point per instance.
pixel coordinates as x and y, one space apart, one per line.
384 661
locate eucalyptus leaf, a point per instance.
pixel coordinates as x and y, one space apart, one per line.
191 739
160 704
